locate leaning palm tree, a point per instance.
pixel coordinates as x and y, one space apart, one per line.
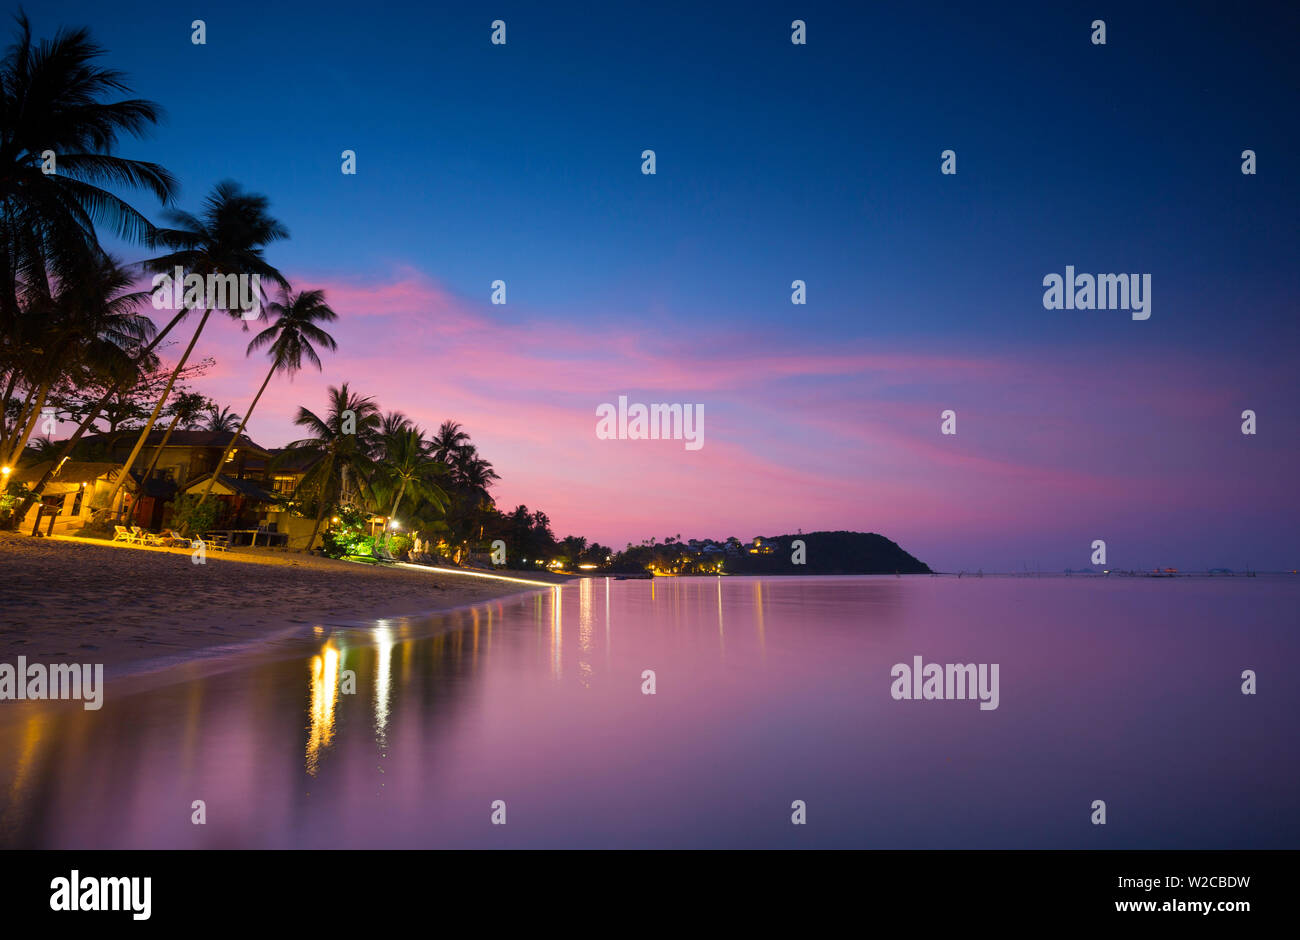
54 107
292 337
409 463
341 446
88 327
227 238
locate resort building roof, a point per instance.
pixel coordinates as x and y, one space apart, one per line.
72 471
212 439
230 486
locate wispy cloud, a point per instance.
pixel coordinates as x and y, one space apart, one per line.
799 433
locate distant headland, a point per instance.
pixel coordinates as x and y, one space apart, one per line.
812 553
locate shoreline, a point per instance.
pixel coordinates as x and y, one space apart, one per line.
145 610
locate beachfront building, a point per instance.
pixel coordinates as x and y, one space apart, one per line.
183 464
71 495
245 504
279 472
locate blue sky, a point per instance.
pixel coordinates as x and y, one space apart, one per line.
776 162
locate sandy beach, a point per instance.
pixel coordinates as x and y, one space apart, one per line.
74 599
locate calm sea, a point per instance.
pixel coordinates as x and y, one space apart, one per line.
767 691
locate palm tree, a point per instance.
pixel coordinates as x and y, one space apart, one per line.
222 421
471 476
53 99
89 326
449 439
227 238
394 423
341 445
187 408
289 339
408 462
471 472
43 449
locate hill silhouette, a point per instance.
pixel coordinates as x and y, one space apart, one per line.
829 553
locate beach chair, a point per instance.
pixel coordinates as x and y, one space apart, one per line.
380 551
216 543
122 534
139 536
173 539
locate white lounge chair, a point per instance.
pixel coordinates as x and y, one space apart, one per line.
173 539
141 537
217 543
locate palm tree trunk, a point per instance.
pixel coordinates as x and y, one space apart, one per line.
153 462
21 442
397 502
92 415
12 452
4 410
229 447
162 400
19 421
324 503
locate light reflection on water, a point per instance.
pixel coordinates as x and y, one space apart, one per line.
768 691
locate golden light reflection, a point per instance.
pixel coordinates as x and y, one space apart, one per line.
555 631
585 631
383 681
722 639
541 623
190 734
758 609
32 738
473 662
324 696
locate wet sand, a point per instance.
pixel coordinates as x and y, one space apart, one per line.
65 599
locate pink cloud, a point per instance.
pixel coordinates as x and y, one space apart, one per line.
798 433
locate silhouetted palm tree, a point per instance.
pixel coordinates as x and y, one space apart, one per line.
52 104
89 327
288 341
187 408
226 239
394 423
53 101
449 439
341 446
472 473
223 420
408 462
